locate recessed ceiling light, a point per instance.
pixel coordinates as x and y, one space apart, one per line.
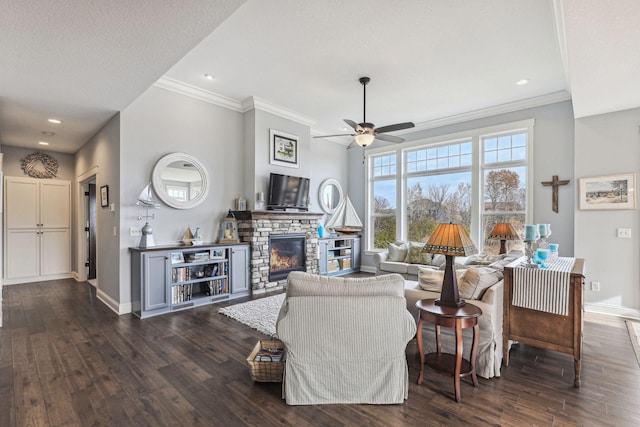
43 143
344 128
55 121
209 77
522 82
47 133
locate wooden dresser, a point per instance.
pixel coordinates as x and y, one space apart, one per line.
544 329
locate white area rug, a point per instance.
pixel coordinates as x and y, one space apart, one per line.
634 333
260 314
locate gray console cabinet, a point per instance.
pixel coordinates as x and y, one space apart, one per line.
170 278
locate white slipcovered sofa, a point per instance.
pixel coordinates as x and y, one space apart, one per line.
345 339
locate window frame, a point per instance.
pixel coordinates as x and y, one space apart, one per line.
477 178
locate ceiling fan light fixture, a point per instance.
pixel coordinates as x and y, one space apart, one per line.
364 139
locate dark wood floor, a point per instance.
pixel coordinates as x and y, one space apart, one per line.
66 359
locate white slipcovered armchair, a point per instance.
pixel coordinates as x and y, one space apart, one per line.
345 339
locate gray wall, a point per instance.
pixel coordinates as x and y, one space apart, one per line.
102 154
609 144
553 155
13 156
233 147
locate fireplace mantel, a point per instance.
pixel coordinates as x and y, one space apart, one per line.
275 215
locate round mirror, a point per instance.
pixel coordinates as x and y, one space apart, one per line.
180 181
330 195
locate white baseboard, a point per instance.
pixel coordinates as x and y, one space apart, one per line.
367 269
113 304
613 310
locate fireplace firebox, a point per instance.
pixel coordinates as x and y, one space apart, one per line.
287 253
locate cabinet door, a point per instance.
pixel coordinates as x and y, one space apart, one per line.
322 267
21 203
54 204
155 280
55 253
23 254
240 269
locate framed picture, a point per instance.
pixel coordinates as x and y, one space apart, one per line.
177 257
283 149
104 196
608 192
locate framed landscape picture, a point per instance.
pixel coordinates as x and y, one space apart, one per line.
283 149
608 192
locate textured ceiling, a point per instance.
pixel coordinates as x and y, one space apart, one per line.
428 60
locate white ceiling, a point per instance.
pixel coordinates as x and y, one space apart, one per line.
431 62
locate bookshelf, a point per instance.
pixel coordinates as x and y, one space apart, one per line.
339 255
170 278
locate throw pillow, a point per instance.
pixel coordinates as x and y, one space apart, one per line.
416 256
477 280
438 260
484 258
397 253
431 280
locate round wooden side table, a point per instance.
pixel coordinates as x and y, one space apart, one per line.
449 317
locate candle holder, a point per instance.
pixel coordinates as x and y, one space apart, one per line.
529 251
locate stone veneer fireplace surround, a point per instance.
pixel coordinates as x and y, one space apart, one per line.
254 227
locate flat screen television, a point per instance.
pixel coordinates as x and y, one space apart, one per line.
288 192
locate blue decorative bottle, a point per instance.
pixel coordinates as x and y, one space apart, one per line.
320 231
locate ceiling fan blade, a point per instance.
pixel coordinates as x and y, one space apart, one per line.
339 134
397 126
389 138
353 124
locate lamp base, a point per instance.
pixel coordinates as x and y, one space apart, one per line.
459 303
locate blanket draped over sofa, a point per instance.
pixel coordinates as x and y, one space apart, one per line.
345 339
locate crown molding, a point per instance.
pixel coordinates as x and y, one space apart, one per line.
194 92
523 104
260 104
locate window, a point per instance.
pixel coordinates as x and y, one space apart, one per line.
382 225
476 178
438 183
504 165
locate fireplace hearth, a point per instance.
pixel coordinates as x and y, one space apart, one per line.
287 253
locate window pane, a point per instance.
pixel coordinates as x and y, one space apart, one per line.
384 165
505 189
489 221
384 197
384 231
435 199
505 148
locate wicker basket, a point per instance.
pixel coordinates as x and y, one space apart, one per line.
266 372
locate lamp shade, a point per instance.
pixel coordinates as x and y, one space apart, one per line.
364 139
450 239
504 231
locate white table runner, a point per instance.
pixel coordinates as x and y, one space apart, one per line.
544 289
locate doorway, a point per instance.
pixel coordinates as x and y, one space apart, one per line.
87 227
91 232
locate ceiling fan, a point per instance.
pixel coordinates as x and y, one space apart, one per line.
365 132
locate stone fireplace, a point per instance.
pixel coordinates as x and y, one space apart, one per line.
259 228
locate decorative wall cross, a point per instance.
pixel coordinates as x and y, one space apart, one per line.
555 183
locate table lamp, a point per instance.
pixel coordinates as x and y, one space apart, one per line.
450 240
503 231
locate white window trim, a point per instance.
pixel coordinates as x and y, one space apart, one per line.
473 135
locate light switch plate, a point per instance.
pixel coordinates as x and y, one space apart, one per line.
624 233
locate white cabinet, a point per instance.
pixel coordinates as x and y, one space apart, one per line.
37 229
